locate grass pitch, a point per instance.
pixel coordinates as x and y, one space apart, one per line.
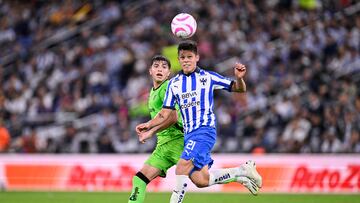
113 197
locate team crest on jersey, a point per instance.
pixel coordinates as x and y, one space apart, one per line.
203 81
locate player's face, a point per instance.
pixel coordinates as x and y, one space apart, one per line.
159 71
188 60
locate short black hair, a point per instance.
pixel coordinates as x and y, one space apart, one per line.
188 45
160 58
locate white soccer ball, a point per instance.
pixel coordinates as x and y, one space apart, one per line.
183 25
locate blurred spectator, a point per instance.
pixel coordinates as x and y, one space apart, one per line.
50 145
353 144
126 143
28 142
84 142
294 135
66 140
331 144
4 137
104 144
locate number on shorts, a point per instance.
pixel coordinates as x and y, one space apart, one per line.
190 145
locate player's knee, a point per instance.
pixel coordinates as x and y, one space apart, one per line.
183 167
180 170
199 180
201 183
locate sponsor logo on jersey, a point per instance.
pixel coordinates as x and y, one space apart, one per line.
190 104
188 95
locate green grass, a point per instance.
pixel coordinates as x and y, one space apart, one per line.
113 197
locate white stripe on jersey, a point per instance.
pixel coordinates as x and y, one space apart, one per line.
195 94
190 109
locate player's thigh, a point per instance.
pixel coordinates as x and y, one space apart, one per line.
201 177
198 149
175 148
150 172
184 167
158 159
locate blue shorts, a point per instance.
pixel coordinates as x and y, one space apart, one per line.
198 145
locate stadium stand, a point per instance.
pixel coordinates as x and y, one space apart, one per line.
74 74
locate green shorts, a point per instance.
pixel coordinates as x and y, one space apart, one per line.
167 155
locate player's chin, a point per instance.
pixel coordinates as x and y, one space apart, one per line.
187 69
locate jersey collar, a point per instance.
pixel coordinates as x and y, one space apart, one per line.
197 70
159 85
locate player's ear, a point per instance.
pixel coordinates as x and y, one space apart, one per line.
197 56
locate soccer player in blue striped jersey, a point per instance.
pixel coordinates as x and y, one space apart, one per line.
193 90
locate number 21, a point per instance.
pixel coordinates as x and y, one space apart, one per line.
190 145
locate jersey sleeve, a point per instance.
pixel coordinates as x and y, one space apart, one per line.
221 82
169 100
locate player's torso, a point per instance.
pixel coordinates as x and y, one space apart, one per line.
156 99
194 94
155 104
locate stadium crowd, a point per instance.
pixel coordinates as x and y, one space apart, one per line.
74 74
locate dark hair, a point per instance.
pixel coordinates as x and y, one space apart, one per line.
160 58
188 45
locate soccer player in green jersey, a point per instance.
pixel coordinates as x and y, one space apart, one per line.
170 137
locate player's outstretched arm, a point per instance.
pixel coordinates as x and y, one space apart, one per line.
239 85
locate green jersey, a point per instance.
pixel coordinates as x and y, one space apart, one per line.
155 104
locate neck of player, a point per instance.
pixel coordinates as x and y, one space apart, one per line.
189 71
157 84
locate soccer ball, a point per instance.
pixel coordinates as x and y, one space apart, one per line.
183 25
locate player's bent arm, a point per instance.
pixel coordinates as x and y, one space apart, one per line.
173 118
238 85
160 118
147 130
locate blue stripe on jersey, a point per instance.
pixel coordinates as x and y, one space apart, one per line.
193 88
184 110
210 99
202 103
220 81
221 84
217 75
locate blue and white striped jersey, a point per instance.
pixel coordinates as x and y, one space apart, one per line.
195 95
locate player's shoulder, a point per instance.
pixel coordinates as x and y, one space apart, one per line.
163 86
214 74
205 72
210 72
175 79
